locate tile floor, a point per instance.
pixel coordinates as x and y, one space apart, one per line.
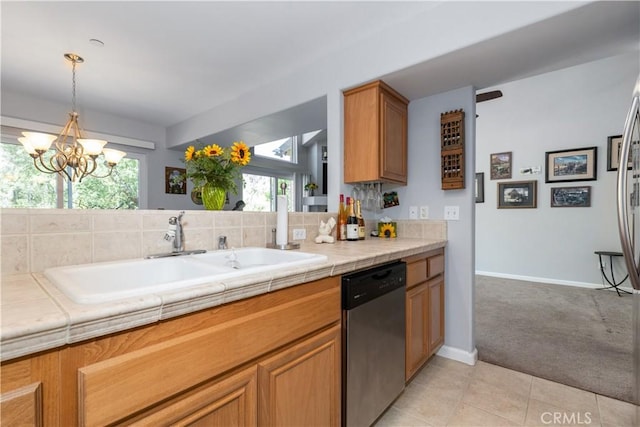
450 393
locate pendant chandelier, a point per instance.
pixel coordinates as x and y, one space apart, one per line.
75 157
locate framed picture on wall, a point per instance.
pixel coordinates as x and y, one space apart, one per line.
571 197
174 180
614 146
480 187
500 165
578 164
518 194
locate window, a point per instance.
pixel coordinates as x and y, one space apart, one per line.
26 187
282 149
259 192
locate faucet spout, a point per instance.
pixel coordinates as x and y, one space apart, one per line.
178 238
222 242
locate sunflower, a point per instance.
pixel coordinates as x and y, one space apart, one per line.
189 153
387 230
212 150
240 153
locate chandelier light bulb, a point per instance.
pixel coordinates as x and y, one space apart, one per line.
92 147
39 141
113 156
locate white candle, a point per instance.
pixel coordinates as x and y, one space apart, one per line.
281 221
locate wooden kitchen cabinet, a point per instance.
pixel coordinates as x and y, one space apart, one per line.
375 134
424 309
197 369
301 386
30 391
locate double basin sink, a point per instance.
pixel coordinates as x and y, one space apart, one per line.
108 281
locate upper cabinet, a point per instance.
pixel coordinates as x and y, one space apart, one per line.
375 134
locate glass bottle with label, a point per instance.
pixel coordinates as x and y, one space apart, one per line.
352 222
342 220
361 228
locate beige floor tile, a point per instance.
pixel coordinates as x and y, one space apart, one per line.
398 418
452 366
614 413
446 383
544 414
565 397
497 399
467 415
513 381
426 404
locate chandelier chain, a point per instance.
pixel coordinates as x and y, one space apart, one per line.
73 85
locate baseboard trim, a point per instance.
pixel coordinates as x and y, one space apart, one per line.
470 358
547 280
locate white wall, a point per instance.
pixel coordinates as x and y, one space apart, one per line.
571 108
425 189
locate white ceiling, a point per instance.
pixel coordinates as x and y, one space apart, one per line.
165 62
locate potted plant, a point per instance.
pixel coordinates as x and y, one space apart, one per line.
310 187
214 170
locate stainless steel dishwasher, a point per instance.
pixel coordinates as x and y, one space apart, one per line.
373 337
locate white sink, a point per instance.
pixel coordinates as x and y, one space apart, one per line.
254 260
107 281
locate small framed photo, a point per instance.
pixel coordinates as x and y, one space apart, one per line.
579 164
614 147
174 180
520 194
571 197
501 165
480 187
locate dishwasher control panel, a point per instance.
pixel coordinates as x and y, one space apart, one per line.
365 285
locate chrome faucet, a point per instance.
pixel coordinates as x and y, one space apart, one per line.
175 233
175 224
222 242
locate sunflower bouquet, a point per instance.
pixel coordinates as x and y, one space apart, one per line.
216 166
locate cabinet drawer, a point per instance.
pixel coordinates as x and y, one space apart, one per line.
416 272
435 265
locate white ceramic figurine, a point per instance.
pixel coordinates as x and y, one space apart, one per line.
324 232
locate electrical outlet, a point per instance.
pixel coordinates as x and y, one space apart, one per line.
424 212
452 213
413 212
299 234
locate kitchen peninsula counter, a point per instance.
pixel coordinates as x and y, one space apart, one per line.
36 316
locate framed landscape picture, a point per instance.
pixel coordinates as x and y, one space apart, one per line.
520 194
614 145
500 165
571 197
579 164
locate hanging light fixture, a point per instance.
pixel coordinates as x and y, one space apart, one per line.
75 157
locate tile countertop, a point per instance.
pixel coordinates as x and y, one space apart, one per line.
36 316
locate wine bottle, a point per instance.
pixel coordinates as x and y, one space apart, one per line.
342 220
361 228
352 222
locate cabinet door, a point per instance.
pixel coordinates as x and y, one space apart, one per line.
417 344
228 402
300 386
436 314
393 144
22 407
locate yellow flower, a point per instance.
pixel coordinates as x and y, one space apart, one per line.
240 153
387 231
212 150
189 153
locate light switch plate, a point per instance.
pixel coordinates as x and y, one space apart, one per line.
452 213
413 212
424 212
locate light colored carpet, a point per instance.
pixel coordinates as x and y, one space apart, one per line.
575 336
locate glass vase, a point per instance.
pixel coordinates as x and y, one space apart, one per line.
213 197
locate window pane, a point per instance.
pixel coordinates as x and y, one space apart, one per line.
282 149
23 186
117 191
256 192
